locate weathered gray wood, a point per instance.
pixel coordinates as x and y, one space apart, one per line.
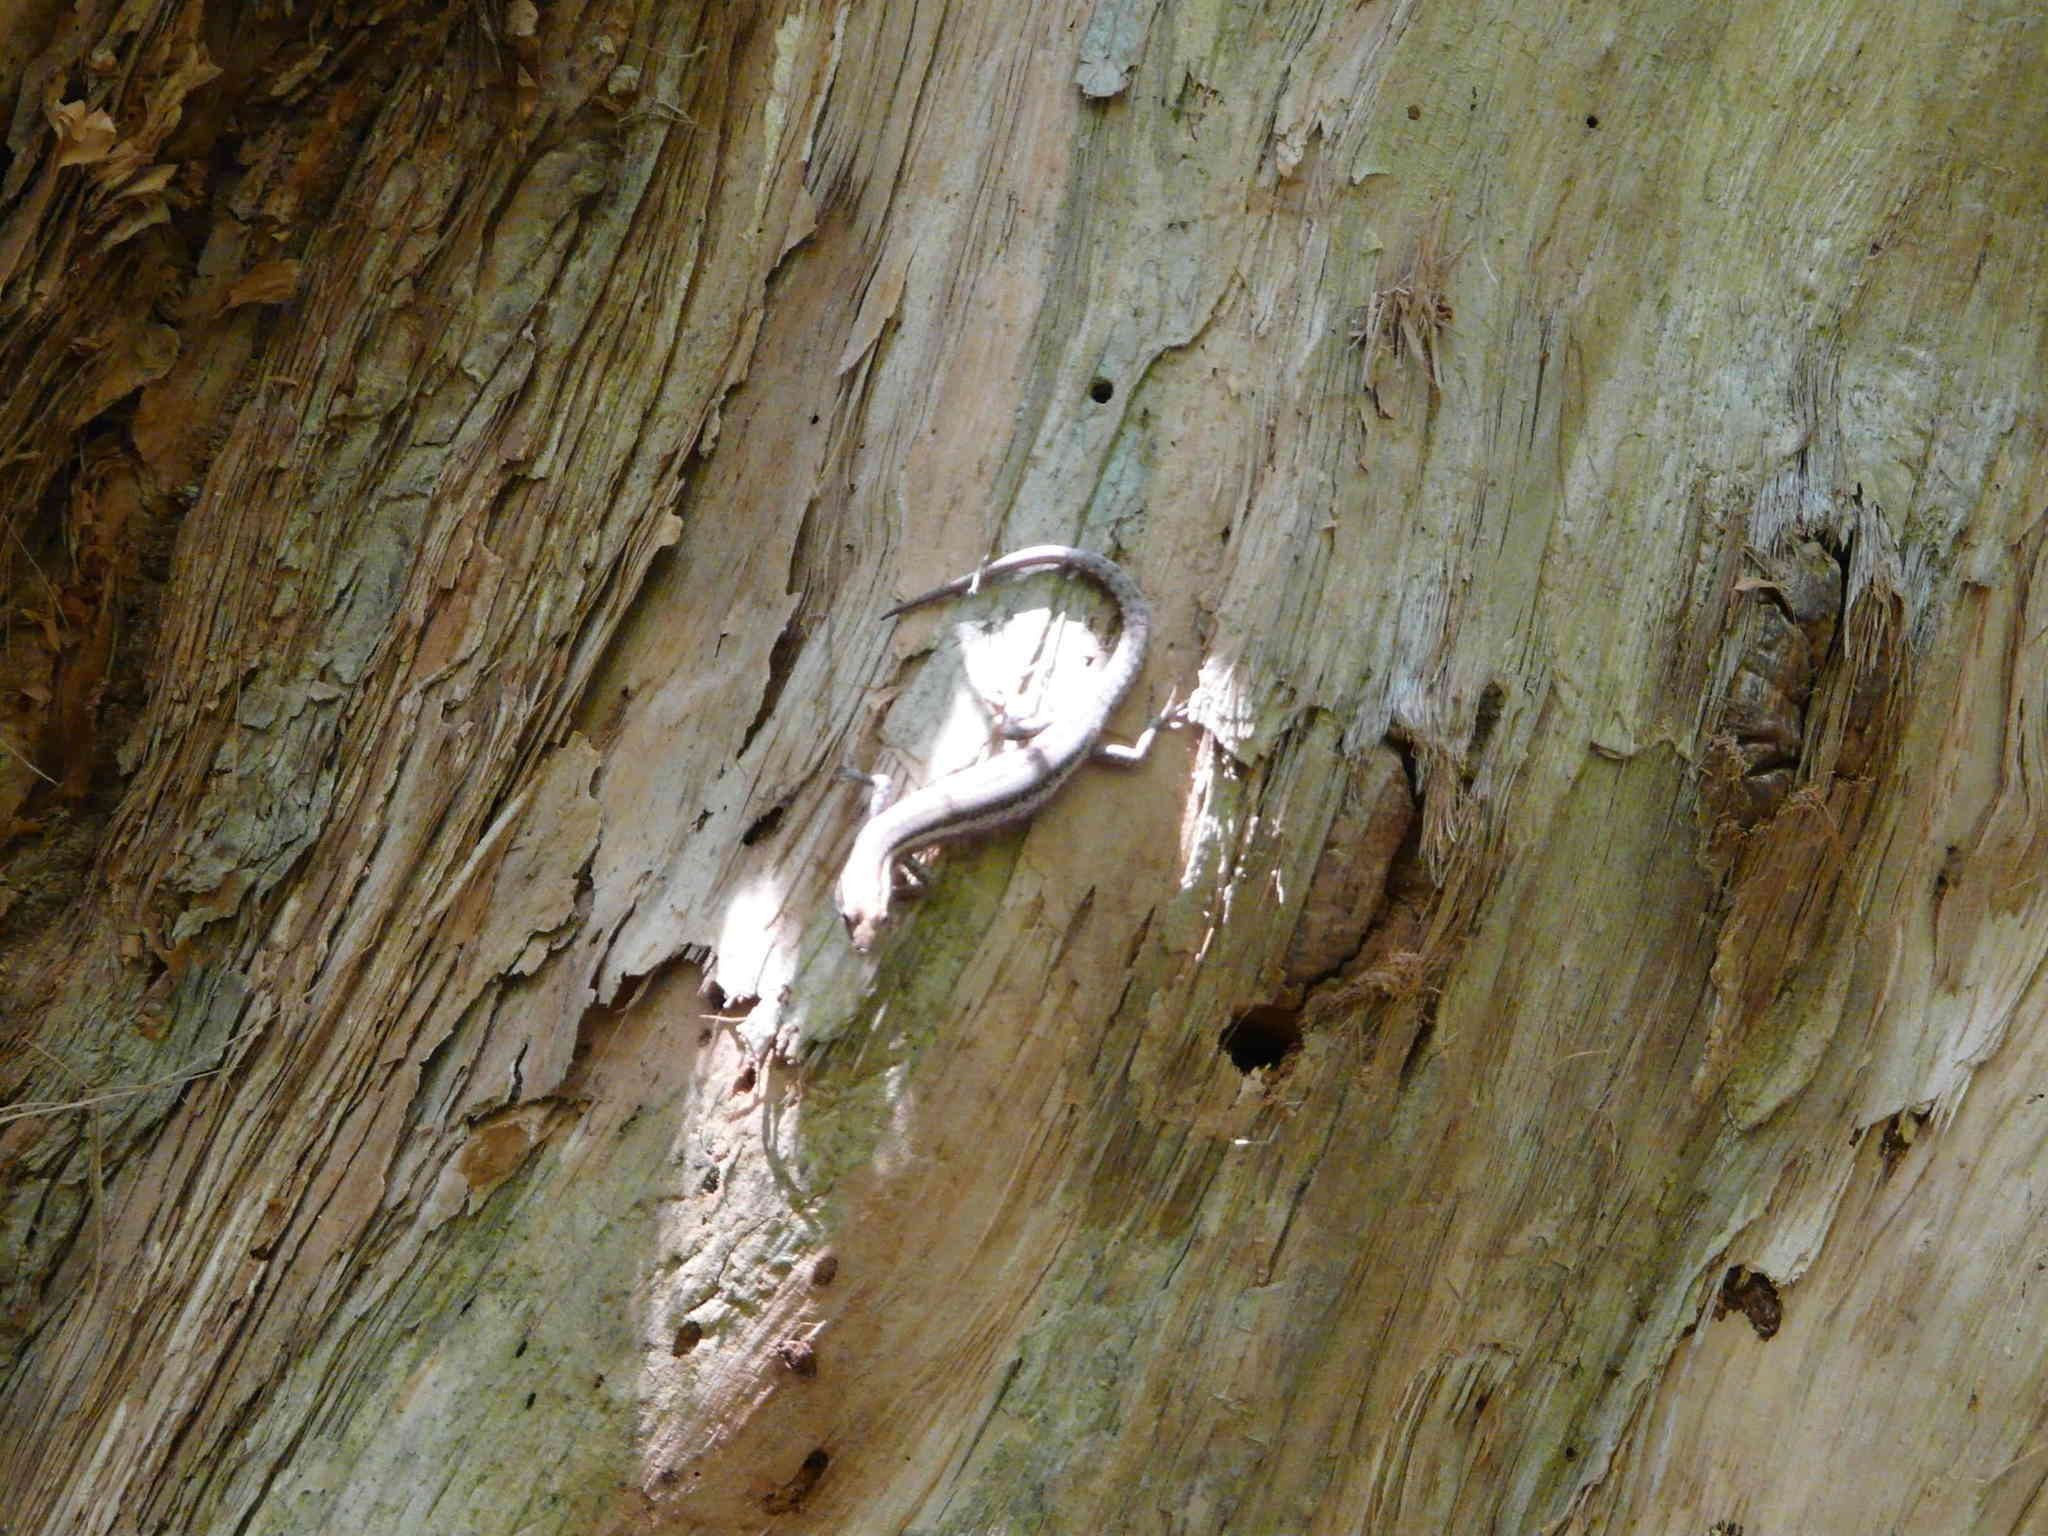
1554 1048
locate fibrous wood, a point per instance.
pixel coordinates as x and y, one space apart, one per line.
1551 1046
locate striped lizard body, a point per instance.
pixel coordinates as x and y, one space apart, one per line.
1010 786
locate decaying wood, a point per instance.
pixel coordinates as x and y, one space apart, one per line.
1554 1049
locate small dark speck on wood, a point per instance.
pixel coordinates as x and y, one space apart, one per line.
799 1356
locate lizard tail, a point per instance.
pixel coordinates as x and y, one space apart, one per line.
1098 569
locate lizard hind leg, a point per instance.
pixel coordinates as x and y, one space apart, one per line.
1018 727
1171 718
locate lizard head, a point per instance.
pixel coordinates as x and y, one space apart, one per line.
863 928
864 900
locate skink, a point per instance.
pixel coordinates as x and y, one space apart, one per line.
1011 785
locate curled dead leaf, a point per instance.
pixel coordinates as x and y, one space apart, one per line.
84 134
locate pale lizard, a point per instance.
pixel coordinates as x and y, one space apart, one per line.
1011 785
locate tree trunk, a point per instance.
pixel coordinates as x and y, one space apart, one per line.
1551 1046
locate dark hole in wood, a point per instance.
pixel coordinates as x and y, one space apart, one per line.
1263 1036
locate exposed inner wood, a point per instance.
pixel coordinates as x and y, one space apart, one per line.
1565 1011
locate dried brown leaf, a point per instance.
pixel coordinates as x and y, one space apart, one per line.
84 134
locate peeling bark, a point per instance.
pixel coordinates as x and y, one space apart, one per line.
1557 1030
